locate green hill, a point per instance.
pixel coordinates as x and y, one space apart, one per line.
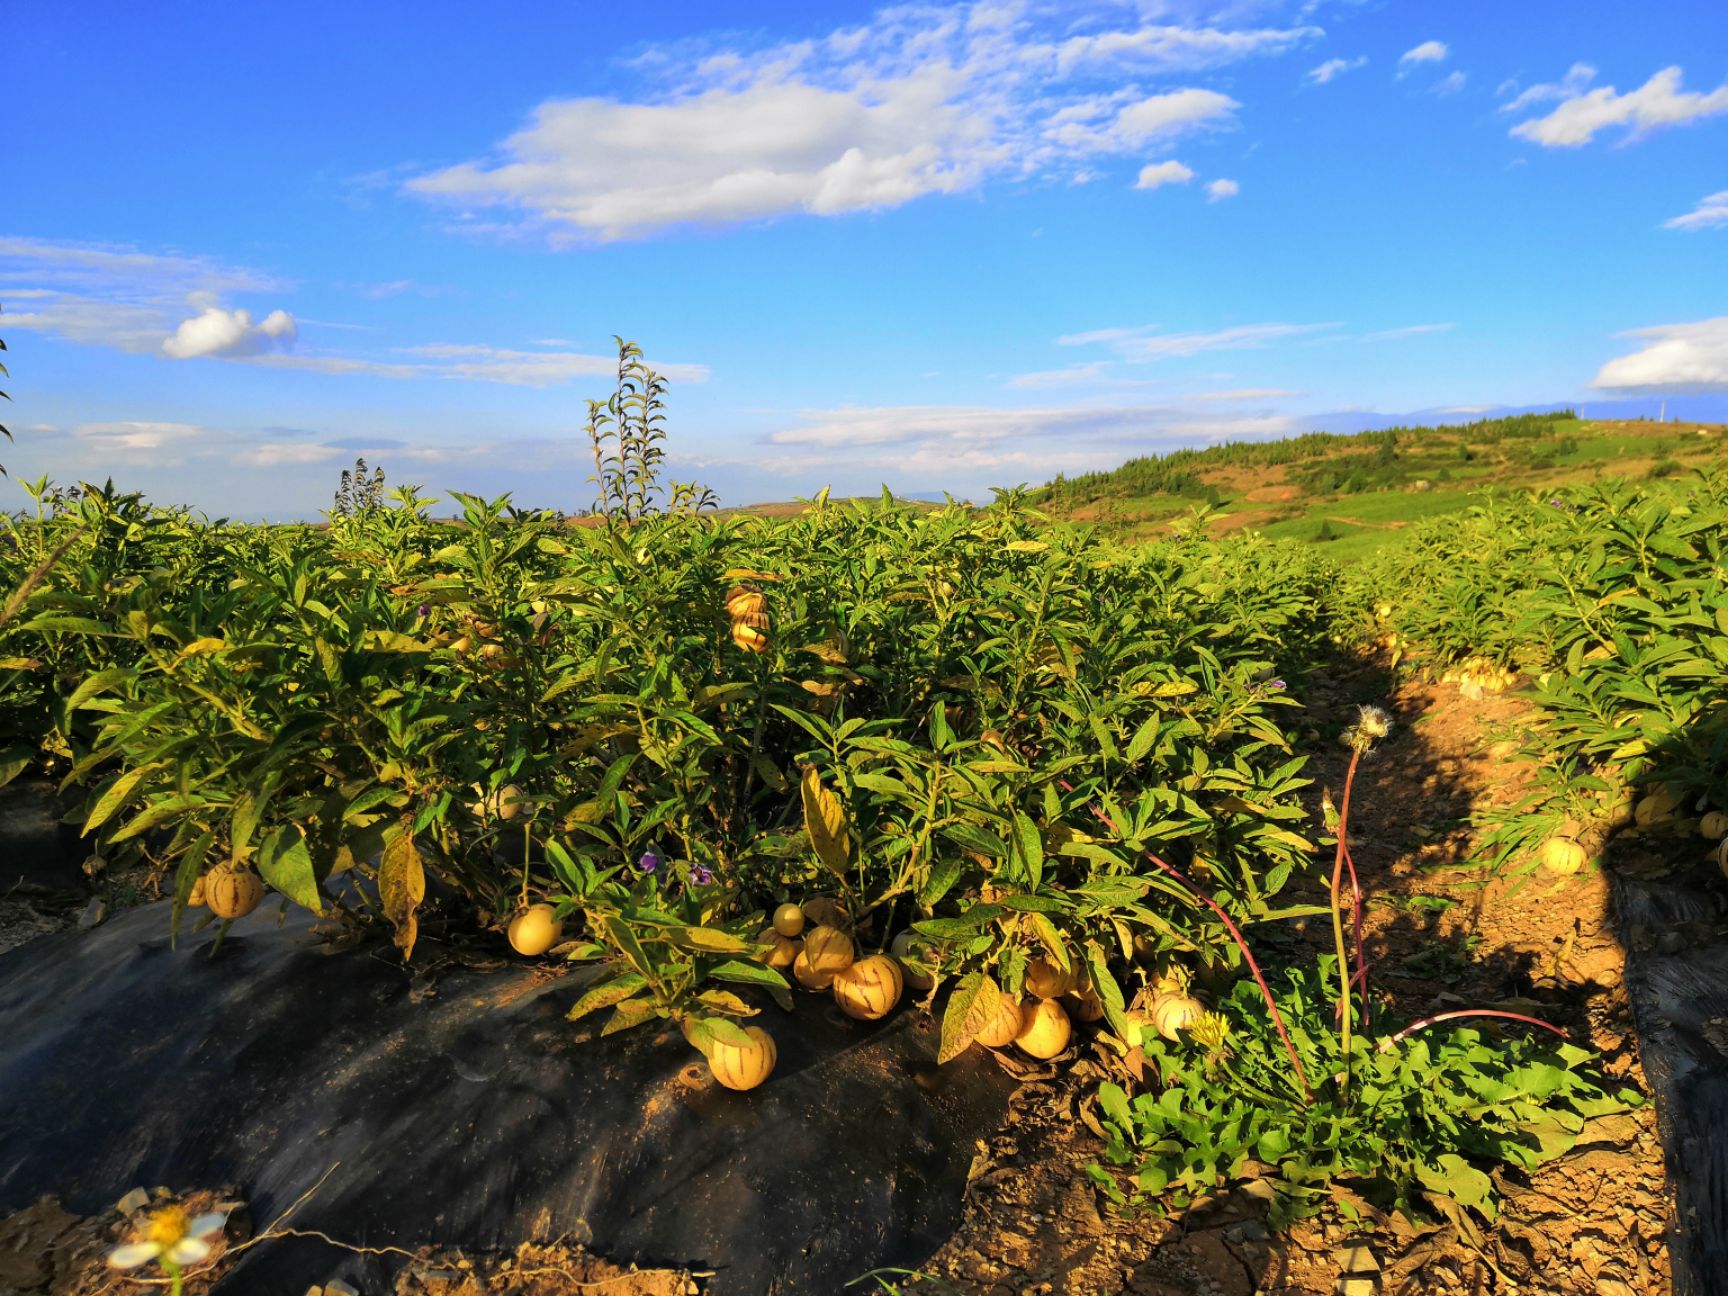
1356 493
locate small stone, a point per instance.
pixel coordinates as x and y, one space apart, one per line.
93 913
1358 1285
1356 1259
136 1200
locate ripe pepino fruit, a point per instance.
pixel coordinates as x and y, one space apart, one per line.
741 601
1714 825
1562 855
1045 980
1003 1026
776 950
828 950
1044 1029
789 921
740 1067
535 930
750 639
1174 1012
233 893
806 974
869 988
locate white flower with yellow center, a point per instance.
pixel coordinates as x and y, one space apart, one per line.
170 1237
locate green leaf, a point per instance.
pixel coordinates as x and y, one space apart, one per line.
632 1012
606 994
286 864
755 974
118 794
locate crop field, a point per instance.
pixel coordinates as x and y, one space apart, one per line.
1153 818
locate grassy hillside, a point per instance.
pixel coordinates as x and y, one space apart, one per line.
1355 494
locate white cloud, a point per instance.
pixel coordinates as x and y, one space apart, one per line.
1163 173
919 101
218 332
1432 51
1674 358
1243 394
1145 344
1658 102
1409 330
1218 190
1332 68
1073 375
279 454
532 368
1577 79
131 438
1711 212
1449 84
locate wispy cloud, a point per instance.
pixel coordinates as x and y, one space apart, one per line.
1675 359
1333 68
1431 51
915 102
1659 102
1145 344
1072 376
1409 330
1449 84
1710 213
1243 394
1577 79
1218 190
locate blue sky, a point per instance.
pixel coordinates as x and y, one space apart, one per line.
939 247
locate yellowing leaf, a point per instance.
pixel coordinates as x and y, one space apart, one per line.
825 821
401 888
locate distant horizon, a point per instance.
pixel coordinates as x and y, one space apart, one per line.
947 246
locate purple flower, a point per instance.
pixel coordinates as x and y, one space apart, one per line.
423 611
1277 686
701 875
649 862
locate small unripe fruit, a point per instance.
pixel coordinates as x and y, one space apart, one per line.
1044 1029
789 920
233 893
828 950
1084 1005
1714 825
535 930
1003 1026
1045 980
1562 855
903 948
739 1067
869 989
776 950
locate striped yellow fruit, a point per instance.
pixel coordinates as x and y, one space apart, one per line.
233 893
776 951
828 950
1047 981
196 899
740 1067
749 639
1085 1005
1173 1013
1658 807
1044 1029
1714 825
807 975
869 988
1562 855
742 602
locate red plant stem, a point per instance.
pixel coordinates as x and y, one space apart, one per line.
1345 978
1454 1015
1361 973
1236 935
